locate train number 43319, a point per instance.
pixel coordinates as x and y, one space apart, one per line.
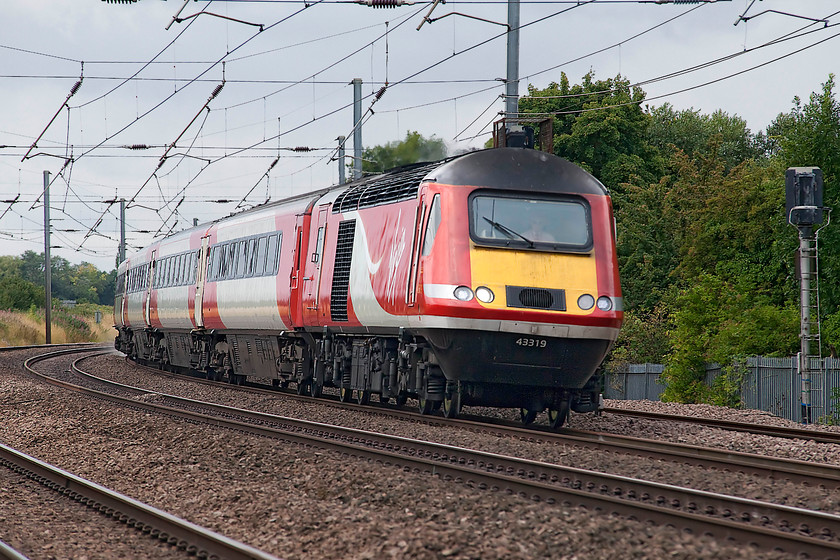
532 342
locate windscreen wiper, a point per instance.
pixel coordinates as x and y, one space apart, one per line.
507 231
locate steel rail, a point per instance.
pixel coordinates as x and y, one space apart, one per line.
158 523
774 431
747 521
9 553
775 468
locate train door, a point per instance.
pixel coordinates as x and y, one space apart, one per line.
313 267
413 272
296 280
147 303
200 280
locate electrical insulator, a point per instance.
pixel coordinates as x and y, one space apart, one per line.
302 149
384 3
75 87
137 147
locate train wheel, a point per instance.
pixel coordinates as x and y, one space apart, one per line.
401 399
315 389
345 394
558 417
363 397
528 416
452 402
303 387
426 406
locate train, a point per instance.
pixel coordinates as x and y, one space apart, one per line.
488 278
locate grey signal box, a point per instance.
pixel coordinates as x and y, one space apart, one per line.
804 195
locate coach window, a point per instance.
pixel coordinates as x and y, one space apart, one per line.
179 269
271 255
193 267
262 246
212 264
219 262
432 226
250 250
241 257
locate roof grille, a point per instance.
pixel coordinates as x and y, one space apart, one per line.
394 186
341 268
536 298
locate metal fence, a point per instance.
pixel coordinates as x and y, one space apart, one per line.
769 384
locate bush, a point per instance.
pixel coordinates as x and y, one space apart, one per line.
717 322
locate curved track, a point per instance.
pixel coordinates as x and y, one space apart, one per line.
191 538
746 521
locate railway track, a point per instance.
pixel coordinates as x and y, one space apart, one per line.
9 553
193 540
746 521
773 431
648 449
188 537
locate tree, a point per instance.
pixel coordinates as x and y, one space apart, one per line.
415 148
20 294
718 135
601 126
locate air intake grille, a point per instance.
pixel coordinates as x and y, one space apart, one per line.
536 298
341 270
389 187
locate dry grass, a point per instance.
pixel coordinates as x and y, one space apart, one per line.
18 328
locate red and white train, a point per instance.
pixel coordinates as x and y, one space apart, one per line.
489 278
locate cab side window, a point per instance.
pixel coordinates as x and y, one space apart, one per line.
432 225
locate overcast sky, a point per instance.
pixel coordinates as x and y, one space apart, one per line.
289 86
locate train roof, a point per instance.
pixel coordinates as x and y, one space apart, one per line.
520 169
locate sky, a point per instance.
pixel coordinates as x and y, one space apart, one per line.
198 118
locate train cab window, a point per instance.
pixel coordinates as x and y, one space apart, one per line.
545 224
432 226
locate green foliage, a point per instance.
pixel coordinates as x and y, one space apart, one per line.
415 148
644 338
83 283
726 388
833 417
716 322
719 136
17 293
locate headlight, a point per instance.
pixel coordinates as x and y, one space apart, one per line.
586 302
604 303
484 294
463 293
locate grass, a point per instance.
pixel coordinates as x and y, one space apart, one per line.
20 328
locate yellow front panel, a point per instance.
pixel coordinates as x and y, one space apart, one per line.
497 268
